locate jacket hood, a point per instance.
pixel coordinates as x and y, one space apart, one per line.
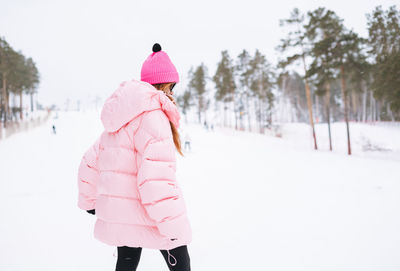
131 99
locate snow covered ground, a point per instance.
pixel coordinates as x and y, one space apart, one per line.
374 140
255 202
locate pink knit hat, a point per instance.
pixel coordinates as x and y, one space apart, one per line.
158 68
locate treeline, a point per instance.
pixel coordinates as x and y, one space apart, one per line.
18 76
343 76
244 90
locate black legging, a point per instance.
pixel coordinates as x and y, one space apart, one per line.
177 259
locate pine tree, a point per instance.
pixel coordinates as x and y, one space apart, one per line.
261 83
18 75
224 82
243 73
293 89
347 50
19 79
185 101
384 41
6 67
33 79
322 29
198 86
297 39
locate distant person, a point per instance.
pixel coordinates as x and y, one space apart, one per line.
54 129
132 164
187 140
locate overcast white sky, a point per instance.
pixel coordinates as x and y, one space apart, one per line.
88 47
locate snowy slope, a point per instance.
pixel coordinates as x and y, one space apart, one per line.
373 140
255 203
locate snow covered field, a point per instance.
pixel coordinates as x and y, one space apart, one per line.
255 202
374 140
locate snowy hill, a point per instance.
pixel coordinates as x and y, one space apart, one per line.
373 140
256 202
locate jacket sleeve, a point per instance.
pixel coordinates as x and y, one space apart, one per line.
88 176
158 189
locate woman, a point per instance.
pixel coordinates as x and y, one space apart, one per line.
127 178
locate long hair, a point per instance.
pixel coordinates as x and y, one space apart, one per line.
177 141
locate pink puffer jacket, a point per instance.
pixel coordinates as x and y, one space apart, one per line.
128 175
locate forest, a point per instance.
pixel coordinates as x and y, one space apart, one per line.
18 75
343 76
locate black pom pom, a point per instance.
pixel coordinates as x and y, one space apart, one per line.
156 47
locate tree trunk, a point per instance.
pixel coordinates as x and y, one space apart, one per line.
371 106
225 114
236 120
378 110
309 105
8 106
256 113
199 111
31 96
364 103
5 100
259 114
199 116
235 113
390 113
199 108
317 117
300 115
21 115
234 110
343 87
354 101
248 112
328 112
